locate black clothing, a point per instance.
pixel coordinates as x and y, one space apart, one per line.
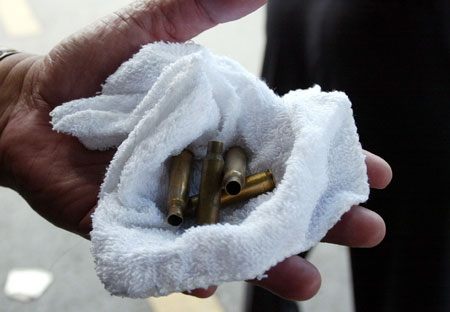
392 58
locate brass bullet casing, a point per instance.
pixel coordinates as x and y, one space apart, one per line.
210 185
234 172
180 172
255 185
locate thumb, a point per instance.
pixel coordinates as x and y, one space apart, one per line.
85 59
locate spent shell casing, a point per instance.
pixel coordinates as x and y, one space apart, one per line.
234 172
180 172
255 185
210 185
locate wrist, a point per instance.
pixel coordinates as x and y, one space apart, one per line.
15 89
13 72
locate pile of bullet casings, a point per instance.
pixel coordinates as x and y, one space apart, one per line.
222 183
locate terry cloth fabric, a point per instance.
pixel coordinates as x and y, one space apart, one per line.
174 96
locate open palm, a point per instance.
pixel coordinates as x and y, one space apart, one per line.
60 179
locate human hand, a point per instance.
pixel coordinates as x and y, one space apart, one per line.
60 179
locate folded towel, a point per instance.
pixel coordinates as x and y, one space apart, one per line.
172 96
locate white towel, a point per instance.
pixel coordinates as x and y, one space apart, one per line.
172 96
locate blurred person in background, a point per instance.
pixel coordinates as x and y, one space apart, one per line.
392 58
